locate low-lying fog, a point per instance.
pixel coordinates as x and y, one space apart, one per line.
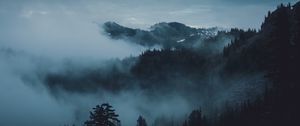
39 37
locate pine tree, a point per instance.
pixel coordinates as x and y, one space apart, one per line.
103 115
141 121
195 118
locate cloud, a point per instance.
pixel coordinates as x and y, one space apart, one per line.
20 103
193 12
30 13
60 34
190 11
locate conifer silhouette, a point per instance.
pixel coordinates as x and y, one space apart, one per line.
103 115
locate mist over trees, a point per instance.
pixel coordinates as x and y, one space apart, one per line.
141 121
237 77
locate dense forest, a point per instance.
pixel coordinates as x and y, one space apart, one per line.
191 58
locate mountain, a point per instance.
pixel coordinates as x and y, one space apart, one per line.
167 35
255 72
274 50
224 53
276 43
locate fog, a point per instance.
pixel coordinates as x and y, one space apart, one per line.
26 101
39 37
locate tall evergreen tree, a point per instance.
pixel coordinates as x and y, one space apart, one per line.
141 121
103 115
195 118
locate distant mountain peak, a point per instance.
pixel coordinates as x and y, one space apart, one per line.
165 34
175 25
117 31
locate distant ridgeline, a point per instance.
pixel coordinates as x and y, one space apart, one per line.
174 36
166 34
195 54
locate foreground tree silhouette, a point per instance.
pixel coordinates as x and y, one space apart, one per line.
141 121
196 118
103 115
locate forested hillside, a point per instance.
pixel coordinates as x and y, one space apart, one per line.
238 77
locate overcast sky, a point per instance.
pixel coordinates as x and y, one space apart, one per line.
142 13
66 27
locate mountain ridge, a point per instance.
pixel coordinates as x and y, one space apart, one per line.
167 35
257 72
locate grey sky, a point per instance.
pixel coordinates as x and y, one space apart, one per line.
202 13
64 28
